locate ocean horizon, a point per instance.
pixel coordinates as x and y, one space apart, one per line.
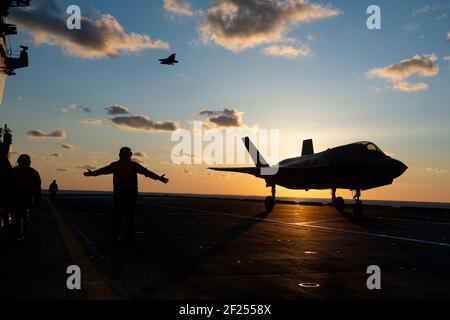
392 203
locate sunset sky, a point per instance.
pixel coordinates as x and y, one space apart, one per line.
309 69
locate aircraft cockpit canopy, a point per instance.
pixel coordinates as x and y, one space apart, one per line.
369 146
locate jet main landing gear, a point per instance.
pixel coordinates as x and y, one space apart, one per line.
269 202
357 207
338 202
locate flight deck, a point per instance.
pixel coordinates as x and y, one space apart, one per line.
206 248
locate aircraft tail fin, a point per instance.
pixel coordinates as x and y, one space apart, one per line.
257 158
308 147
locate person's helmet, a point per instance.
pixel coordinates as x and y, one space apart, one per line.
125 153
24 160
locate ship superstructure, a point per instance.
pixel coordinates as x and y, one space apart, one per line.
10 60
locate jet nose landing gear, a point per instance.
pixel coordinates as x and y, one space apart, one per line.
269 202
357 207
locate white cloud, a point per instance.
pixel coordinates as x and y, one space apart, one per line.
427 8
311 37
178 8
100 36
287 51
412 26
442 16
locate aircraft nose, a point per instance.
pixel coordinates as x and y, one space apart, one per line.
398 167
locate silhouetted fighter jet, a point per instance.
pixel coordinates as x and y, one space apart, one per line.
357 166
170 60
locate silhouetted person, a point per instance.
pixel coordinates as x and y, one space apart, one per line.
53 189
27 190
125 183
6 185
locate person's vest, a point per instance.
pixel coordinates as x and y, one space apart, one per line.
26 181
124 176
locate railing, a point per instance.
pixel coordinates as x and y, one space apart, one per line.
19 3
6 4
11 60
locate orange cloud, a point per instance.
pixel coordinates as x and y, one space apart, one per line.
419 66
67 146
241 24
91 121
227 118
410 87
57 133
143 123
436 170
178 8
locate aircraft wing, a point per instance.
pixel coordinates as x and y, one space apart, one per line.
249 170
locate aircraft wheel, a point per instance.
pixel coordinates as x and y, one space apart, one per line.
269 203
339 204
357 208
